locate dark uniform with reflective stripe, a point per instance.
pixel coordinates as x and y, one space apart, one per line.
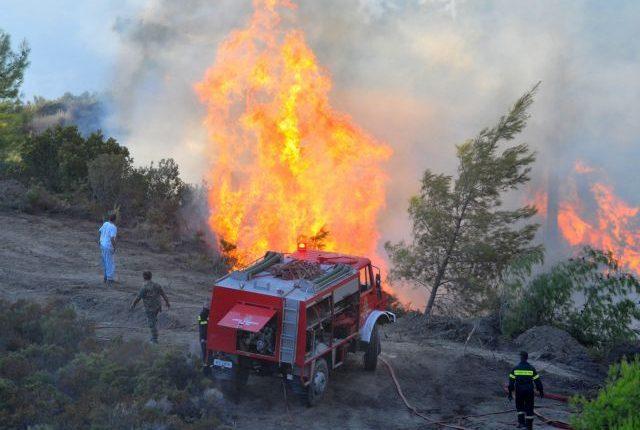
203 322
522 378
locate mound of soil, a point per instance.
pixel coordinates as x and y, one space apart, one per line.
554 344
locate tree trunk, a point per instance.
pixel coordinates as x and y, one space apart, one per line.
443 268
430 302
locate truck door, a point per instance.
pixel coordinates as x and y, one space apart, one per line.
368 297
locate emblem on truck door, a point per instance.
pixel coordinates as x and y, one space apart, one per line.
245 322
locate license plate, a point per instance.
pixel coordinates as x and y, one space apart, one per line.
223 363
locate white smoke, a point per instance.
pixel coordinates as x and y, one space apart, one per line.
421 75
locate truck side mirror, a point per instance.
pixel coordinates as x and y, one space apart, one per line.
378 281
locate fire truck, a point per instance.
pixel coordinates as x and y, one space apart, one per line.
295 316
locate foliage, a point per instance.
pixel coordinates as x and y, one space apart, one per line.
14 121
164 191
106 175
38 199
54 374
58 158
318 240
462 237
589 296
12 67
617 405
227 250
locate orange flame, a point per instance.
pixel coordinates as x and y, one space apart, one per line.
540 201
285 164
583 169
613 226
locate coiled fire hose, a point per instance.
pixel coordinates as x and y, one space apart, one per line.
411 408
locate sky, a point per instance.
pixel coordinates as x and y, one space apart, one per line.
73 43
420 75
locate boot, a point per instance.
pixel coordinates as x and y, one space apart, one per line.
529 423
521 423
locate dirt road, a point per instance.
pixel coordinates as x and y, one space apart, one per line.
43 258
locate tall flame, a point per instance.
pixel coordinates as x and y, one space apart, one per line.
614 227
285 164
611 225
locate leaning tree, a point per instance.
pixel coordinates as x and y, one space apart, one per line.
463 236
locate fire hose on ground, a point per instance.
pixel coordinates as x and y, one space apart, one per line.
414 410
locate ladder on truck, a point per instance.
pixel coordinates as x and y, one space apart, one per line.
289 331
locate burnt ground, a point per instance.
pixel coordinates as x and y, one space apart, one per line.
44 258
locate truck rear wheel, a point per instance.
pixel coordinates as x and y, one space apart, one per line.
373 350
318 384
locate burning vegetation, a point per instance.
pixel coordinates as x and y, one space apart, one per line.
591 214
280 151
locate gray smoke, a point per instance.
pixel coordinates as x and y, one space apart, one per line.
420 75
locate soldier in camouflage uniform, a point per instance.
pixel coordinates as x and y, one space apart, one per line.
150 294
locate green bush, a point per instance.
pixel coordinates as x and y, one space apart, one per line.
106 175
54 375
617 406
59 157
39 199
590 296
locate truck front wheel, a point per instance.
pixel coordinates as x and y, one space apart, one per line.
318 383
372 351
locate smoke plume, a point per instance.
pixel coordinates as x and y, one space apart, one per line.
420 75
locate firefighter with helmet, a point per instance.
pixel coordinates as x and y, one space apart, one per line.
203 322
522 378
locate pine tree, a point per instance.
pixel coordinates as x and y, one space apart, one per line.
463 238
12 67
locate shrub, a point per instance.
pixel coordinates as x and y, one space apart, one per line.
617 405
589 296
39 199
54 376
106 175
59 157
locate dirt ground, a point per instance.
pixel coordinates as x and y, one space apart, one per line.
56 257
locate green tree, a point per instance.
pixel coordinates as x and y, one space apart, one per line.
13 119
617 406
12 67
589 296
164 192
14 125
463 238
107 174
59 157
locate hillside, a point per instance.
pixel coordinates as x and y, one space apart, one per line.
44 258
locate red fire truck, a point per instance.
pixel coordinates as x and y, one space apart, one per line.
295 316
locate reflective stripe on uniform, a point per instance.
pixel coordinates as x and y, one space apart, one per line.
536 377
512 376
520 413
201 321
523 372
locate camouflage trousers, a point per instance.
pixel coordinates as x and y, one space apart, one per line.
152 321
